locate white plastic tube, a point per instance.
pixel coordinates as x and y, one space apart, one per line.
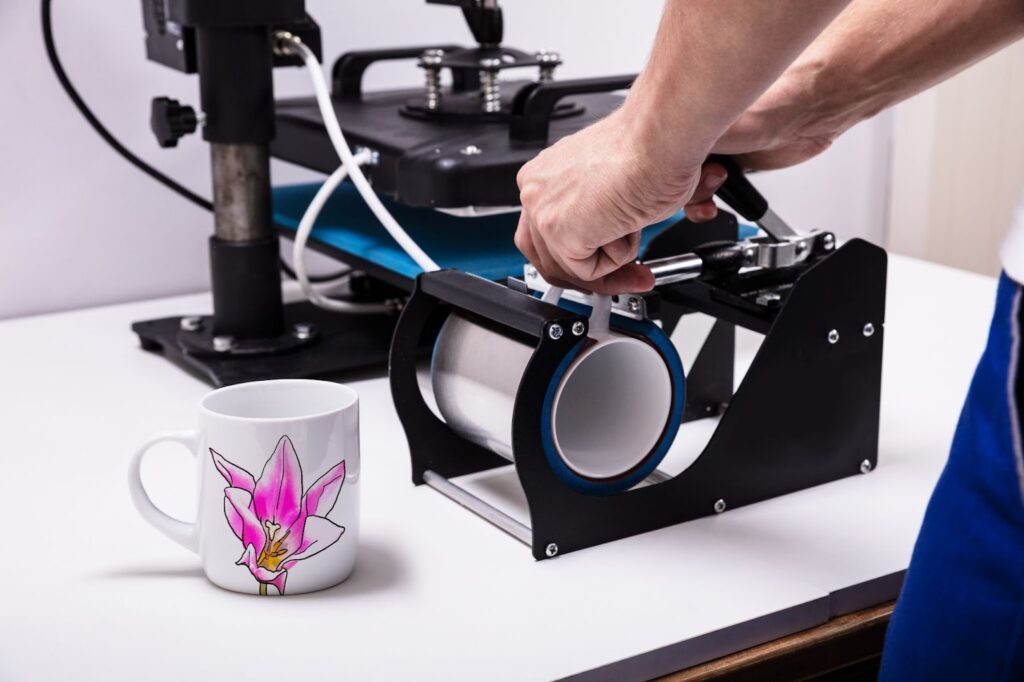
295 46
302 234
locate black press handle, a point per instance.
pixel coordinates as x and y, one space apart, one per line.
737 191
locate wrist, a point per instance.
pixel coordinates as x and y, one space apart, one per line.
663 131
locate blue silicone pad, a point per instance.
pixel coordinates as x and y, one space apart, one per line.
482 246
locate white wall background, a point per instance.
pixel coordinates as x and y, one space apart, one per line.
80 227
957 170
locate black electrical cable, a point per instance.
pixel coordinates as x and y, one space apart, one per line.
115 144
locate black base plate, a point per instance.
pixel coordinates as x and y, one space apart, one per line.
344 343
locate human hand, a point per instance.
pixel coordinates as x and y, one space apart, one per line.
586 198
787 125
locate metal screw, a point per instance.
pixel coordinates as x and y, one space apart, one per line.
833 337
303 331
719 506
634 304
548 62
829 242
471 150
768 299
551 550
490 86
430 61
555 331
800 248
531 271
578 328
192 323
869 329
865 466
222 344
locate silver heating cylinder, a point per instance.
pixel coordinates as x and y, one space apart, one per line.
610 406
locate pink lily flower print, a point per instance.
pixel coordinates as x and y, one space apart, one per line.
278 525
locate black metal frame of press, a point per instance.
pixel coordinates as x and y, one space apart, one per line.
805 413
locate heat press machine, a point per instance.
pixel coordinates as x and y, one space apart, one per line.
805 413
445 158
506 349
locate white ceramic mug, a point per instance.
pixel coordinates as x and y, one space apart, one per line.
278 486
611 406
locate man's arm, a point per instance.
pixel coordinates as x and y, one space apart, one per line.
586 198
877 53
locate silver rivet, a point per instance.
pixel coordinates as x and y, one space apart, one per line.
555 331
634 304
471 150
551 550
222 344
869 329
531 271
303 331
719 506
578 328
829 242
833 337
191 324
865 466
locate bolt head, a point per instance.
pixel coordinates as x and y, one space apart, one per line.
578 328
833 336
869 329
431 57
191 323
719 506
303 331
490 63
865 466
530 271
223 344
634 305
551 550
829 242
555 331
471 150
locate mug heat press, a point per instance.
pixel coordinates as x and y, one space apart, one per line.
805 413
584 396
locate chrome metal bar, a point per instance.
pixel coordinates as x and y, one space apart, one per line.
474 504
657 476
241 192
675 268
775 226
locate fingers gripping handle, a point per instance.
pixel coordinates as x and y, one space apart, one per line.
737 191
181 532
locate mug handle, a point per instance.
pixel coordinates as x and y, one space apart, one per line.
180 531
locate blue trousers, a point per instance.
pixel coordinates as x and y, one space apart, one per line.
961 613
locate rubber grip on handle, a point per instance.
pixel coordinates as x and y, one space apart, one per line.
737 191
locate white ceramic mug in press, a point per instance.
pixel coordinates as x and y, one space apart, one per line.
611 407
278 507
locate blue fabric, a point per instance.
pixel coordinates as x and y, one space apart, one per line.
482 246
961 613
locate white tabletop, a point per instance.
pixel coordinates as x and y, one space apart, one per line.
89 591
